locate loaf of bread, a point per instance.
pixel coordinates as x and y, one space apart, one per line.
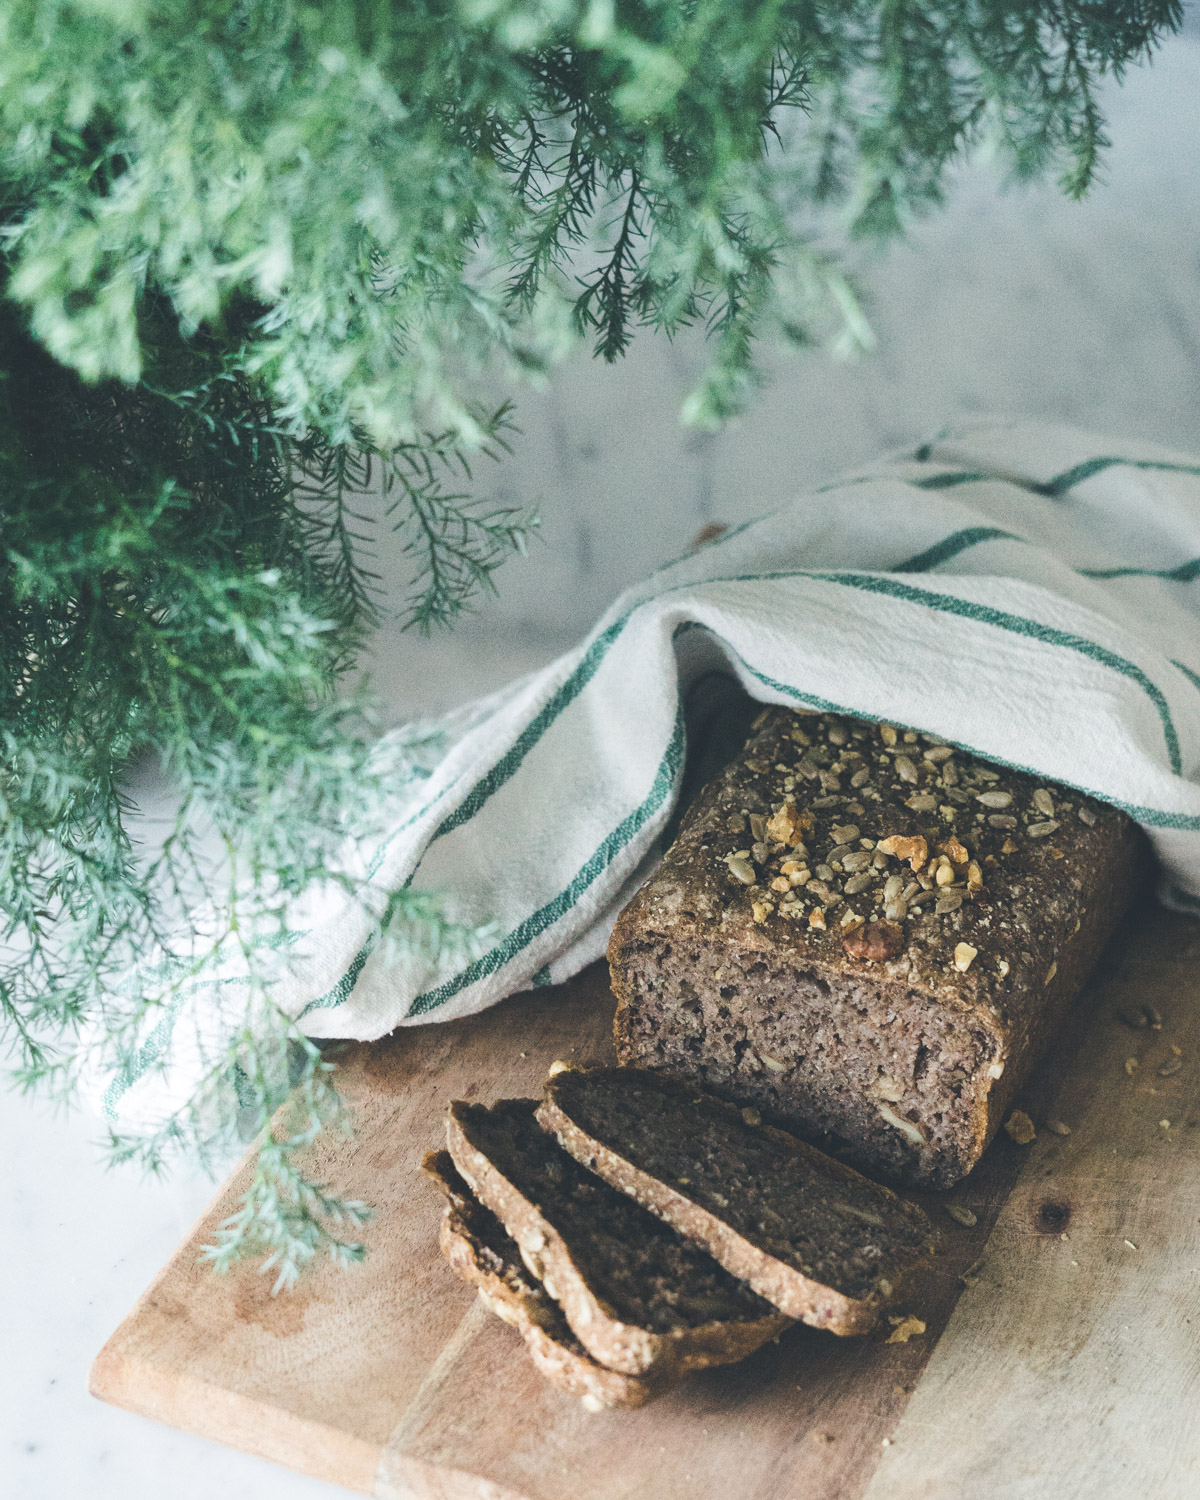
870 935
484 1254
640 1298
808 1233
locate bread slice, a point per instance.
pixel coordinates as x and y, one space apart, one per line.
639 1297
812 1236
481 1251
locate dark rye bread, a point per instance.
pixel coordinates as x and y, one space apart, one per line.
481 1251
795 950
639 1297
810 1235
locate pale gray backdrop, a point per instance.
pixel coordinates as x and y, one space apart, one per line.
1010 301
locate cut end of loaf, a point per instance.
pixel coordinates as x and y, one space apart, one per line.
898 1079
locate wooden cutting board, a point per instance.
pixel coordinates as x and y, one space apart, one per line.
1068 1365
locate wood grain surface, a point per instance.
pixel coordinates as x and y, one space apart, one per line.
1072 1369
1047 1377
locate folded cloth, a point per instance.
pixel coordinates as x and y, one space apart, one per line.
1029 593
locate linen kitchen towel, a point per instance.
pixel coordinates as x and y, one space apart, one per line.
1029 593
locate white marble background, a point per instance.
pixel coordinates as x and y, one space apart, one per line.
1013 302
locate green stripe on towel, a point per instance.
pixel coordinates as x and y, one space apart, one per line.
985 615
533 926
959 541
1019 625
506 767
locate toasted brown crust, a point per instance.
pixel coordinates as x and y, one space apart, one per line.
618 1345
483 1255
716 963
786 1286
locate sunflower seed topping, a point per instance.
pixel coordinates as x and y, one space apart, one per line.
994 799
741 869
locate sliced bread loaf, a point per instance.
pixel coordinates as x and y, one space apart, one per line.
870 935
810 1235
482 1252
639 1297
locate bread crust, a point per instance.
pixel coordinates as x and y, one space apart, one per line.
618 1345
800 1296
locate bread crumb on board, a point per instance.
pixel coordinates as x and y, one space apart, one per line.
971 1276
1019 1128
904 1328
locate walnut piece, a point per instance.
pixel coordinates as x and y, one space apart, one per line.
874 941
954 849
903 846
